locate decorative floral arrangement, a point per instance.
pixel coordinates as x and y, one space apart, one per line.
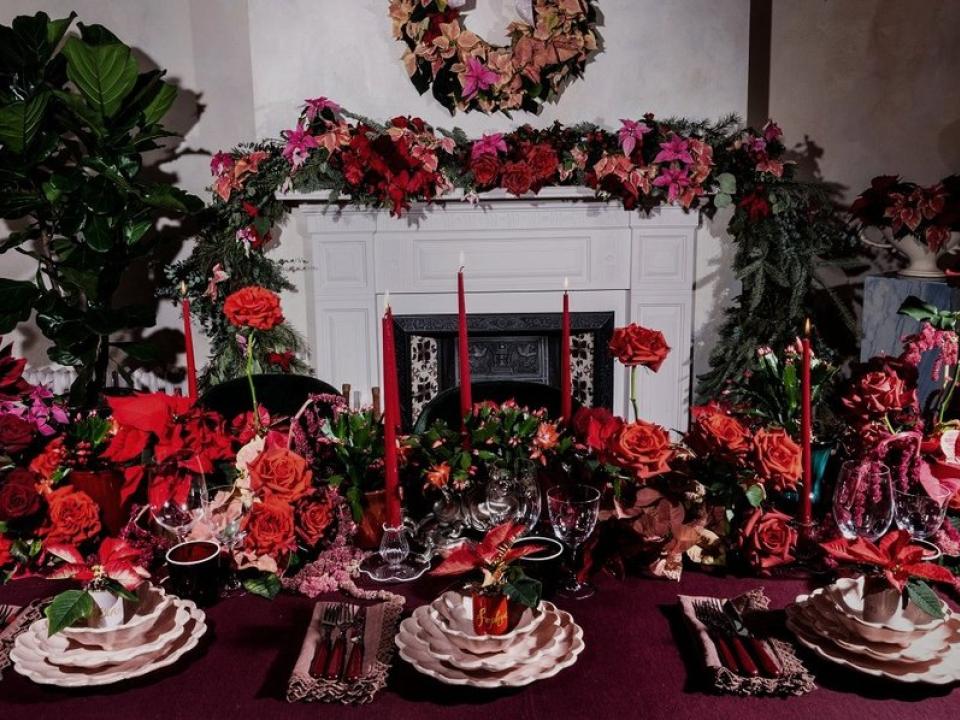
905 208
644 164
898 564
549 46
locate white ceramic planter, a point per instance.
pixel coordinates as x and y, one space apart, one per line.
921 260
110 607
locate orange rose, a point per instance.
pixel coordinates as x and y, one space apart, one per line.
269 527
72 516
636 345
641 447
313 519
767 539
280 473
777 458
714 432
253 307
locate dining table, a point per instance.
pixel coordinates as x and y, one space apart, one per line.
639 661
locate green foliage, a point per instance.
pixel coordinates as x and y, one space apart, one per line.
924 597
67 608
522 588
266 585
74 123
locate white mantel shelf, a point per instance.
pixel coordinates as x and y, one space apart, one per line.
517 253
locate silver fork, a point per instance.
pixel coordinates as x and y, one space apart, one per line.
327 623
338 648
711 614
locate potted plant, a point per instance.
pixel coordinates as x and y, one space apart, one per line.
499 597
76 117
86 470
108 579
895 574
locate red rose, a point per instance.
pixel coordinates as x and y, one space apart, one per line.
756 205
879 390
714 432
19 496
595 426
516 178
280 473
766 540
636 345
313 518
641 447
543 161
72 517
48 462
16 434
269 527
485 169
5 556
777 458
253 307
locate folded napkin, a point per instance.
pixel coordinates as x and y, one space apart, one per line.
378 648
21 618
794 678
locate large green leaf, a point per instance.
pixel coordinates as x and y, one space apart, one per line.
923 596
17 204
67 608
266 585
16 302
158 106
168 197
103 74
98 234
56 29
19 122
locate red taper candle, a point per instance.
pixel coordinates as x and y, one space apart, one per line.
188 343
566 391
466 399
390 421
806 431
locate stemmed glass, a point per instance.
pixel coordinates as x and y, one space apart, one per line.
529 489
179 516
919 514
863 500
230 536
573 514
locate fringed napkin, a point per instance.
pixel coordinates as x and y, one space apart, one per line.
794 678
378 648
20 620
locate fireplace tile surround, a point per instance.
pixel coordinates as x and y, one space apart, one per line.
517 252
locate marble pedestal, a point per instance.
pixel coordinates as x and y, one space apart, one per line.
883 327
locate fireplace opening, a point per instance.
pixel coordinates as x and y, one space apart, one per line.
503 346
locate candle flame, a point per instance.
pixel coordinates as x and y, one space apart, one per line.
386 300
566 284
462 261
806 327
183 288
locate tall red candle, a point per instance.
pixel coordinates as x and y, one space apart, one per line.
466 400
566 393
188 343
806 431
390 422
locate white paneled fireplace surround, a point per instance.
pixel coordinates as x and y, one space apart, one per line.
517 253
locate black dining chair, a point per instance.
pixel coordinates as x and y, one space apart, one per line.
446 405
281 395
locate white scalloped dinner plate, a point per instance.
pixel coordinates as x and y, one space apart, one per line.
28 660
60 651
941 671
569 646
526 648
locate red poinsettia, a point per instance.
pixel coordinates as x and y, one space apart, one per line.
12 384
115 560
491 555
895 555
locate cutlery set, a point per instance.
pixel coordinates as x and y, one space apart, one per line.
339 653
740 651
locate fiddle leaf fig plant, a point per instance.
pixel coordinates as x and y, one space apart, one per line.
76 116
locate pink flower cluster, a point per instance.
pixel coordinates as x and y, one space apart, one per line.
930 338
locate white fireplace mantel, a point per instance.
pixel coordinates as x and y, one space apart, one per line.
517 252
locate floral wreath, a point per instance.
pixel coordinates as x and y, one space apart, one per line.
551 43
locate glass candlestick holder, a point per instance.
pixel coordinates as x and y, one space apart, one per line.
393 562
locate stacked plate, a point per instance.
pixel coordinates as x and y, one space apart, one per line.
155 633
438 640
910 646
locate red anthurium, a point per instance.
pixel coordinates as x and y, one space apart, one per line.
894 555
116 560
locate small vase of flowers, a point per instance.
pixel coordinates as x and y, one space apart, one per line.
499 597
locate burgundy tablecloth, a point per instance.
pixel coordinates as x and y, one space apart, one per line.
632 667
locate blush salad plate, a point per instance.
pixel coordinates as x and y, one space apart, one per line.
453 613
138 619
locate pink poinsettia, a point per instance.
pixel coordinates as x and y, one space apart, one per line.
221 163
115 560
488 145
315 106
675 180
675 149
299 143
476 78
217 276
631 134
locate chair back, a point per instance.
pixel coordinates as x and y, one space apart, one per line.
281 395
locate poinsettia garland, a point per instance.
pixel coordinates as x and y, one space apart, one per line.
465 72
781 226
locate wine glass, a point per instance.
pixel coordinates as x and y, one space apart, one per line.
573 514
230 535
919 514
179 515
863 500
529 489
